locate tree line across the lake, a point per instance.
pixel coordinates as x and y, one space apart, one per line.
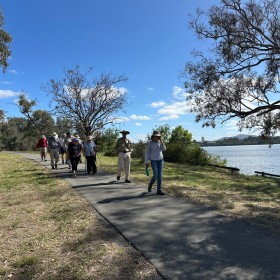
251 140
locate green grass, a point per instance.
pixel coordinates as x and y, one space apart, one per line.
48 231
255 198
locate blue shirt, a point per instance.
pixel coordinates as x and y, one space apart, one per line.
154 151
89 148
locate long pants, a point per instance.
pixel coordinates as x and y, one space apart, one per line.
54 155
91 164
157 167
43 152
74 162
124 160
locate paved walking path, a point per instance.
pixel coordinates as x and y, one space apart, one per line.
182 240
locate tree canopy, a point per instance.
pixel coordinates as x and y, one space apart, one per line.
5 39
90 104
239 77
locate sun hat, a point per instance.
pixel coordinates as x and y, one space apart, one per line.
89 137
124 132
54 134
156 133
75 139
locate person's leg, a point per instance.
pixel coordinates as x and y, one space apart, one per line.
45 153
159 177
56 157
52 151
155 174
41 153
120 165
127 161
88 164
94 168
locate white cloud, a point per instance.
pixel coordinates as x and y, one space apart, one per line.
150 88
122 119
157 104
141 118
13 71
8 93
176 108
6 83
138 124
179 93
168 118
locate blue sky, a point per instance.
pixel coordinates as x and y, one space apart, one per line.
146 40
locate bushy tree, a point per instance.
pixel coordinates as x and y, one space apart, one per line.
106 141
38 121
180 135
240 76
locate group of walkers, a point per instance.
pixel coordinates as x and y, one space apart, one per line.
72 148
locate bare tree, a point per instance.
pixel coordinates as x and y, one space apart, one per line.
90 104
239 77
5 39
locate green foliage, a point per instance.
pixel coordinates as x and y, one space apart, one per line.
139 150
5 39
180 135
106 141
192 154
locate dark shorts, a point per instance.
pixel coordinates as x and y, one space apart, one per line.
61 150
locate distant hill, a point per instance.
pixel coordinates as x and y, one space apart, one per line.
242 139
239 136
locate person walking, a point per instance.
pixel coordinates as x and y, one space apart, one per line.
124 149
154 154
90 154
42 146
74 150
53 145
62 146
67 140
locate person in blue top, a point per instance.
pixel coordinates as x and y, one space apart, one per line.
90 154
154 154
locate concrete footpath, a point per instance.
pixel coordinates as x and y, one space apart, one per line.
182 240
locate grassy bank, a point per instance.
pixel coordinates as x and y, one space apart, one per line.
254 198
49 232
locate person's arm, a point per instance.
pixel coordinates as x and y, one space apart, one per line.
162 146
147 154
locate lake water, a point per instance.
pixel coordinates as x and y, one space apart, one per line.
250 158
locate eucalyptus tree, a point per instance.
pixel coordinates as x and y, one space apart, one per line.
239 77
5 40
90 103
38 121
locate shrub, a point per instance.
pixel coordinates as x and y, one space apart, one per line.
192 154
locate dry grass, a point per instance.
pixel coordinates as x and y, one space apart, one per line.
254 198
50 232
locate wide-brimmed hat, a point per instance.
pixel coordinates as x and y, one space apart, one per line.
156 133
124 132
54 134
89 137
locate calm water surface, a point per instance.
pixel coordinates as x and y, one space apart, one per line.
250 158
